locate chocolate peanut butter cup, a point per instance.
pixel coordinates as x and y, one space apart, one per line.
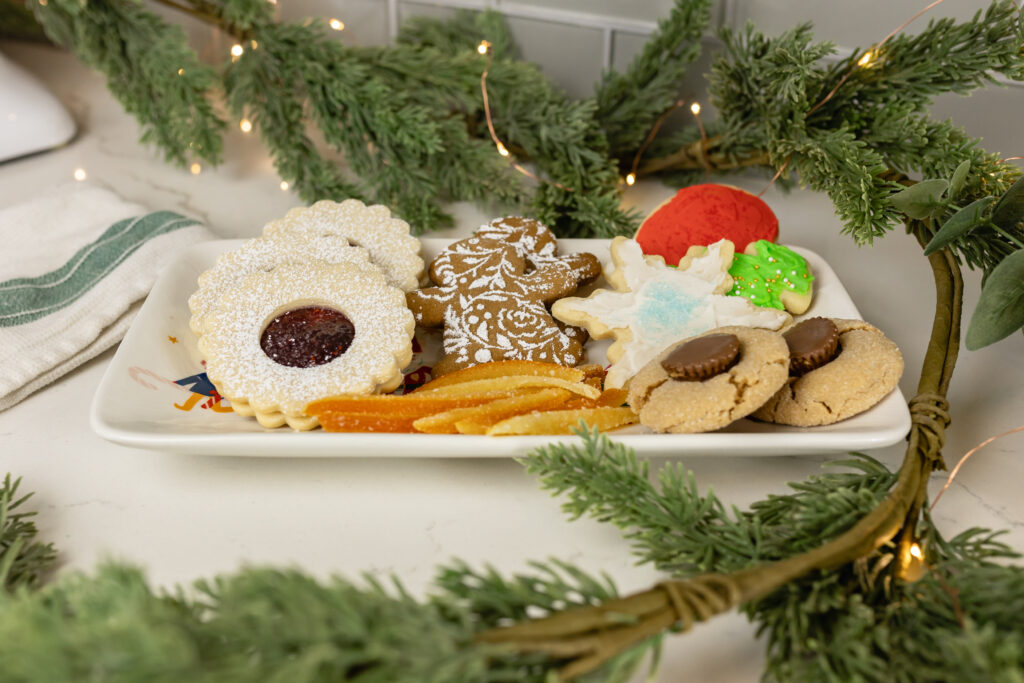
702 358
812 343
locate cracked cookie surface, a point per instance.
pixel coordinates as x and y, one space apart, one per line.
867 368
685 407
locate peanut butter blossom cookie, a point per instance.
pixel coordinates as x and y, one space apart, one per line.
772 275
654 306
701 214
710 381
837 369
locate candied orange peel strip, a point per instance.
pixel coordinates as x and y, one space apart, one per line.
505 368
481 386
365 422
609 398
484 415
407 405
563 421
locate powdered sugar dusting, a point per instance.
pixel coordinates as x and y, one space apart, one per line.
373 228
382 344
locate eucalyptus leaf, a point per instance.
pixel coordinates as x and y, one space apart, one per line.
1000 310
1010 209
956 183
962 222
921 200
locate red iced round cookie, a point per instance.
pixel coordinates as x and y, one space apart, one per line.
702 215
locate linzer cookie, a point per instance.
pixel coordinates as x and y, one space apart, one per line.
701 214
385 237
491 294
262 255
710 381
653 306
300 332
838 369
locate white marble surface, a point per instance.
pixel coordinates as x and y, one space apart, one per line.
187 517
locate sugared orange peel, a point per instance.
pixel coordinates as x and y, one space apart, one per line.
477 387
609 398
478 418
505 368
365 422
407 405
563 421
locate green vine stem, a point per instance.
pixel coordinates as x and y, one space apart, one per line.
590 636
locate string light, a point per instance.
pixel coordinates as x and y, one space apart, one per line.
630 178
253 44
337 24
968 454
79 174
181 72
245 125
866 59
237 50
695 108
484 48
284 185
196 169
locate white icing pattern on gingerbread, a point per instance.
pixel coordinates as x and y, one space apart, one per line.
654 305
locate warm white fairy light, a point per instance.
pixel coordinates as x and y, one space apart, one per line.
502 150
181 72
866 59
483 47
337 24
695 108
631 178
196 169
237 50
915 550
79 174
245 125
284 185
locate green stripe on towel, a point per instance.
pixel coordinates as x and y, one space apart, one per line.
23 300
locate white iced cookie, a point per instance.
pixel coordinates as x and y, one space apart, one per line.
302 332
386 238
260 255
654 305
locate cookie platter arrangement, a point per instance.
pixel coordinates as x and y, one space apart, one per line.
337 332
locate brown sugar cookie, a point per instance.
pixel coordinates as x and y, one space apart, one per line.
491 295
824 387
711 380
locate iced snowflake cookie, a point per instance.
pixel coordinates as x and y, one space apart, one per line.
772 275
491 294
261 255
838 369
654 306
386 238
300 332
710 381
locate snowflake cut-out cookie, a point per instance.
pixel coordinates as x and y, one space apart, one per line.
653 305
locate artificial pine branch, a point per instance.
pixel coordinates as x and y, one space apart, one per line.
23 560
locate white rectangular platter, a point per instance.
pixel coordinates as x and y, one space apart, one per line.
153 395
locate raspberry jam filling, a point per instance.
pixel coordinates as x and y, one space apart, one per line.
307 337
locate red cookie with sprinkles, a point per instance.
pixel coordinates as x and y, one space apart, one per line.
703 214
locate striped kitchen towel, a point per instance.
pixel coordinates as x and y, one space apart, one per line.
75 265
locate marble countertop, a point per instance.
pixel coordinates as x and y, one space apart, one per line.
182 517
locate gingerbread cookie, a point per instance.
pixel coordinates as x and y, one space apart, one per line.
492 292
838 369
772 275
709 381
386 238
702 214
300 332
654 306
262 255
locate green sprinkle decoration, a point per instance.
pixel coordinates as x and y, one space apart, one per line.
762 278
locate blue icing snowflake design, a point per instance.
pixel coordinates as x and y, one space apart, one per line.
667 309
